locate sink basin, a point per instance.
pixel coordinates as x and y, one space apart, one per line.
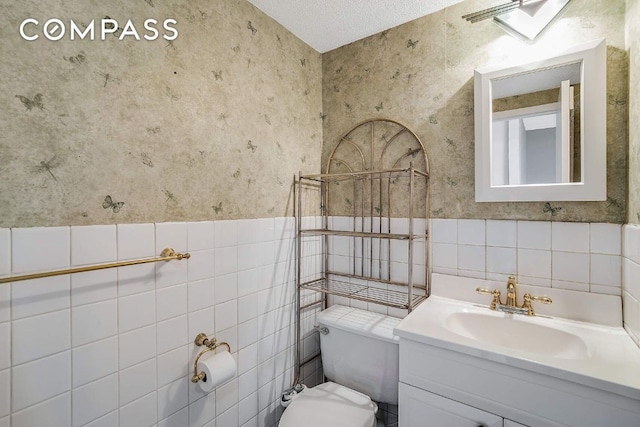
595 355
517 333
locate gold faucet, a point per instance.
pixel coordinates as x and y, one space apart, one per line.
511 292
511 304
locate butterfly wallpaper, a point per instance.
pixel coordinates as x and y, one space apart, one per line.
222 117
211 125
421 74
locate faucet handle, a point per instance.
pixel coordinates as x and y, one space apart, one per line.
496 296
527 302
544 300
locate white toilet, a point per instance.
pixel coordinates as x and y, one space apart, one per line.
360 358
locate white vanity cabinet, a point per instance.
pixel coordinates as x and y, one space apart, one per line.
442 387
467 365
421 408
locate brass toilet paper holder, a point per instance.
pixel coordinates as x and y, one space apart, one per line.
211 344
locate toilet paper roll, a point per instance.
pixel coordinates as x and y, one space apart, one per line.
218 369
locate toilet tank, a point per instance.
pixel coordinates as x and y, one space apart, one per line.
360 351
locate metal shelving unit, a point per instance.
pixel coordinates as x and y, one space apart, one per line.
362 229
371 230
365 293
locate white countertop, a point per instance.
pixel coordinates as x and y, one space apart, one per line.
612 363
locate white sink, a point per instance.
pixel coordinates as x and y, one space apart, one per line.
517 332
596 355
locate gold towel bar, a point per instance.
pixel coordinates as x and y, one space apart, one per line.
167 255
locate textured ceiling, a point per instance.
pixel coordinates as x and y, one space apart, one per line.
329 24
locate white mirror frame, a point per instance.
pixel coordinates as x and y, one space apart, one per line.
593 130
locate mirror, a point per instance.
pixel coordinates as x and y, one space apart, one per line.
541 128
534 135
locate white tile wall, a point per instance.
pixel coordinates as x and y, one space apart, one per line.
534 235
95 400
111 419
172 398
171 235
570 266
570 236
502 233
136 311
171 366
534 263
40 248
471 232
180 418
37 381
56 411
631 280
5 397
135 241
226 233
93 286
172 301
5 345
94 361
93 244
606 239
501 260
200 235
172 333
40 336
41 296
137 381
142 412
576 256
5 251
136 346
444 231
138 325
115 347
5 302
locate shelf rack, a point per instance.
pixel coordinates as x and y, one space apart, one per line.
362 227
366 293
366 242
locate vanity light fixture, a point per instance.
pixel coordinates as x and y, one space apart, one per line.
525 18
493 11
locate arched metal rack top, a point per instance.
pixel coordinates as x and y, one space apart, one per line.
376 163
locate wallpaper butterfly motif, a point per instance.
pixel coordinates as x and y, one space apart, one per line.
553 210
110 204
30 103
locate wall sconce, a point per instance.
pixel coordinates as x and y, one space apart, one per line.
524 18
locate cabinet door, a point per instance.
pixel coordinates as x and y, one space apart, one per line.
509 423
419 408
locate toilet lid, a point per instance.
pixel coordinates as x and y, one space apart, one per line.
329 405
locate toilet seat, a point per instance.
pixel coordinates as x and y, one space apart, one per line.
330 405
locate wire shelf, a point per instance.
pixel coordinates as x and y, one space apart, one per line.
362 175
364 234
365 293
